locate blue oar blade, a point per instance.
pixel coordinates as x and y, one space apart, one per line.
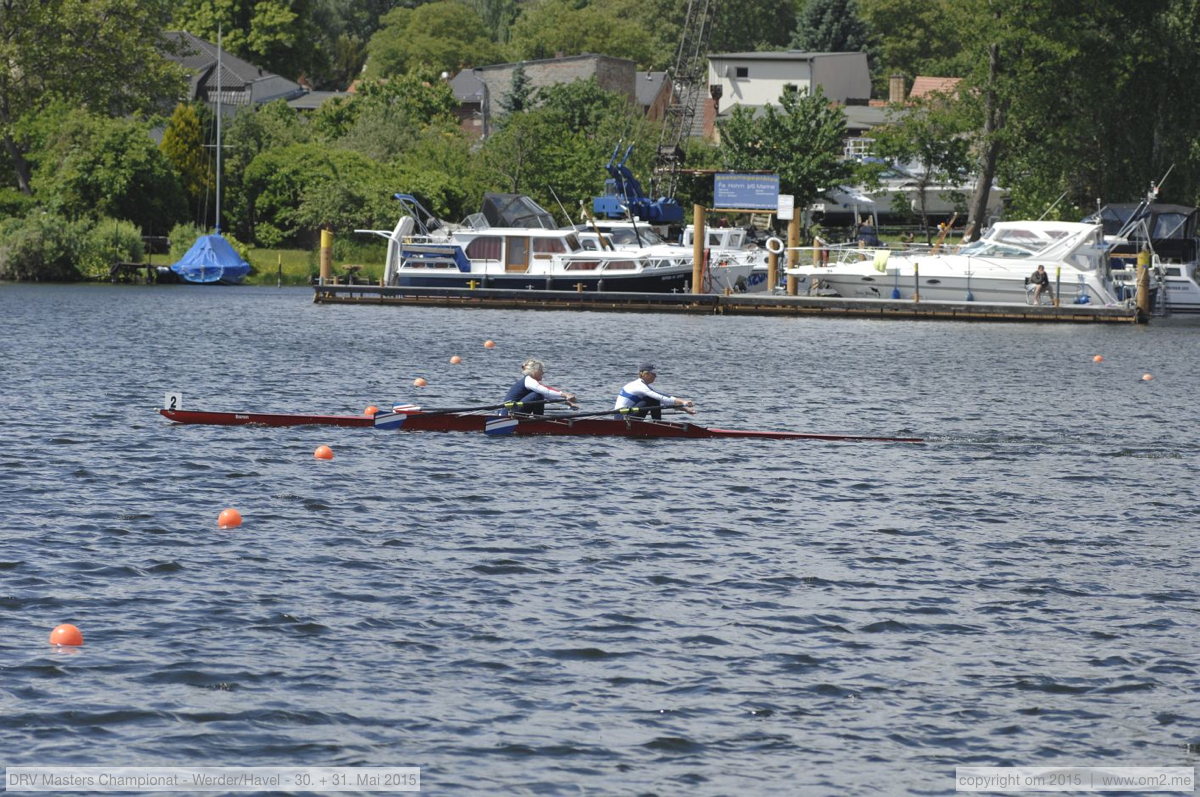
500 426
390 420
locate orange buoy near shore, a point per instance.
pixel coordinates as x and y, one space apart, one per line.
371 410
1099 358
455 360
323 452
489 344
229 519
66 634
1147 377
419 382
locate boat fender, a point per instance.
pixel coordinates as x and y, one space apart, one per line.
775 245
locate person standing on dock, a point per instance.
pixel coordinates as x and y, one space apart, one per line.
1041 282
530 392
638 394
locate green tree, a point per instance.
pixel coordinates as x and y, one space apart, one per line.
183 146
284 187
440 36
830 26
96 166
103 55
752 25
912 37
931 133
251 132
548 28
278 35
519 96
801 140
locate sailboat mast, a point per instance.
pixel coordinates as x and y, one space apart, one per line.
217 225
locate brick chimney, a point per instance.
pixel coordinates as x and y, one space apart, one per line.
896 88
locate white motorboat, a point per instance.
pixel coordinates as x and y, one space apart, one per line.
514 243
899 194
995 268
729 270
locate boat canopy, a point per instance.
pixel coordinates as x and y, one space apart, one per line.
212 259
516 210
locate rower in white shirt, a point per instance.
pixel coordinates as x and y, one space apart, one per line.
638 394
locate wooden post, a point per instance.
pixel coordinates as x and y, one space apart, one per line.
1143 285
326 256
699 238
793 253
772 271
916 282
1054 300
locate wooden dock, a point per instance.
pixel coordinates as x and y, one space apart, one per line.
711 304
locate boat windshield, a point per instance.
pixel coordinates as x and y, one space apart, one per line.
1013 242
625 236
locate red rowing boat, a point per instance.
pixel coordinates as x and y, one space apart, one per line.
565 424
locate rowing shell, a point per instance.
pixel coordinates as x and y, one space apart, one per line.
518 425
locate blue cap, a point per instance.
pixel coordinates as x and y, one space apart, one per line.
647 367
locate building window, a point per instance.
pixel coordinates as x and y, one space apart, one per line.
741 71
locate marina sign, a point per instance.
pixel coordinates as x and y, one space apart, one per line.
733 191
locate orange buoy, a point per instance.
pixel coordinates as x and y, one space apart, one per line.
455 360
1147 377
1099 358
489 344
419 382
323 452
229 519
66 634
371 410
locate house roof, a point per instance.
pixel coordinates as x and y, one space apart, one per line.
199 57
924 85
648 85
467 87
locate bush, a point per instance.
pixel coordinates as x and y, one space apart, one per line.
110 241
42 247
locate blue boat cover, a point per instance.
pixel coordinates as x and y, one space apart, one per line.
211 259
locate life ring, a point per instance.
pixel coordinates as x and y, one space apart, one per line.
775 245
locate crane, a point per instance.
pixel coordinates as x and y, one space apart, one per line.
623 193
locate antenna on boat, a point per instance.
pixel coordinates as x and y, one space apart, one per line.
550 188
1053 205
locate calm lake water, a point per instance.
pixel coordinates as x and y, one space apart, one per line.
600 616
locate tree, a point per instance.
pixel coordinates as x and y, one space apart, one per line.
279 35
519 96
932 133
183 146
550 28
912 37
801 139
830 26
96 166
102 55
440 36
752 25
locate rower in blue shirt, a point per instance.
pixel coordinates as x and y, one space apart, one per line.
647 400
529 391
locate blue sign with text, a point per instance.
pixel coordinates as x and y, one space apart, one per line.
745 191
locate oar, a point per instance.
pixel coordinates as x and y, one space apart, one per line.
410 409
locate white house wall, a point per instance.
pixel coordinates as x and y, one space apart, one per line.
841 76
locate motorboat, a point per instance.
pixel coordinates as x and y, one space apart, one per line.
899 194
730 267
995 269
515 243
1169 233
